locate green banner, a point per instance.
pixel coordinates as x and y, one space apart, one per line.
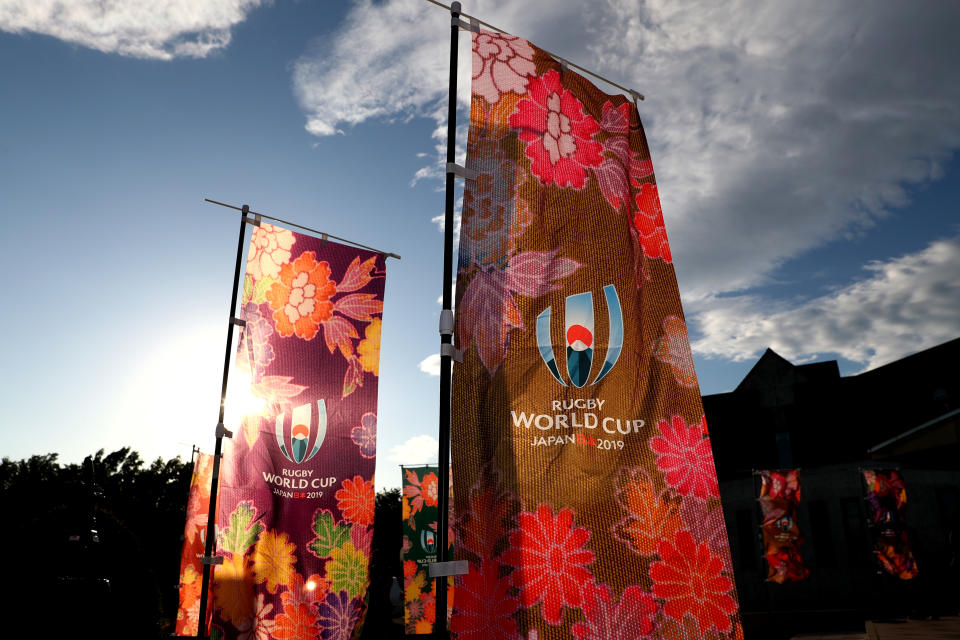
420 514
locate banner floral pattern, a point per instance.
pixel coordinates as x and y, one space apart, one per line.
194 539
297 496
420 514
779 500
590 503
886 500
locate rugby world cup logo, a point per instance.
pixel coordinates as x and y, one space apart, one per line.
578 329
302 431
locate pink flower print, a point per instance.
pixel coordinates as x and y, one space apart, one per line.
684 455
673 348
559 135
501 63
550 559
269 249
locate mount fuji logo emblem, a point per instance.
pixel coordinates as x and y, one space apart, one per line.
295 442
578 329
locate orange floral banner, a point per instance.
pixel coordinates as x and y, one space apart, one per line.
588 504
295 521
886 500
779 500
194 539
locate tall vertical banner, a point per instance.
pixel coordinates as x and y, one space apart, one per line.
588 503
420 515
297 499
886 499
779 500
194 539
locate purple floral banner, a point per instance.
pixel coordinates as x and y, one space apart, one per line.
296 498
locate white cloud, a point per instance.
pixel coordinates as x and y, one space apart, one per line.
137 28
431 364
774 127
415 450
907 304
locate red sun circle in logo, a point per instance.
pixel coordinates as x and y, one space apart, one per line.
300 431
579 333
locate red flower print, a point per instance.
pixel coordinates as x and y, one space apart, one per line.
559 135
684 455
429 488
485 607
648 221
673 348
295 622
501 63
355 500
549 555
301 300
628 619
688 577
409 568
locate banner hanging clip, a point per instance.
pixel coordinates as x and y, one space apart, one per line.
223 432
460 170
216 560
446 322
637 96
451 568
447 349
466 26
240 322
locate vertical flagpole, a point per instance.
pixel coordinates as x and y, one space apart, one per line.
211 536
446 332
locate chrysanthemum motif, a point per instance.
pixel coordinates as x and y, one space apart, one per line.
684 455
688 577
550 559
485 607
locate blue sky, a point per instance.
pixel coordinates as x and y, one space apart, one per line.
806 158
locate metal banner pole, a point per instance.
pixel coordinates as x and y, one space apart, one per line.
446 333
208 558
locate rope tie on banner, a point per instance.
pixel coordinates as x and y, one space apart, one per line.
255 221
564 64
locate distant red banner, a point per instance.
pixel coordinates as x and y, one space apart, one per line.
886 505
297 498
779 499
194 538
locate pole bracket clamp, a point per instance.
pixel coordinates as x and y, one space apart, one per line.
472 25
446 322
240 322
447 349
450 568
460 170
637 96
223 432
211 560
